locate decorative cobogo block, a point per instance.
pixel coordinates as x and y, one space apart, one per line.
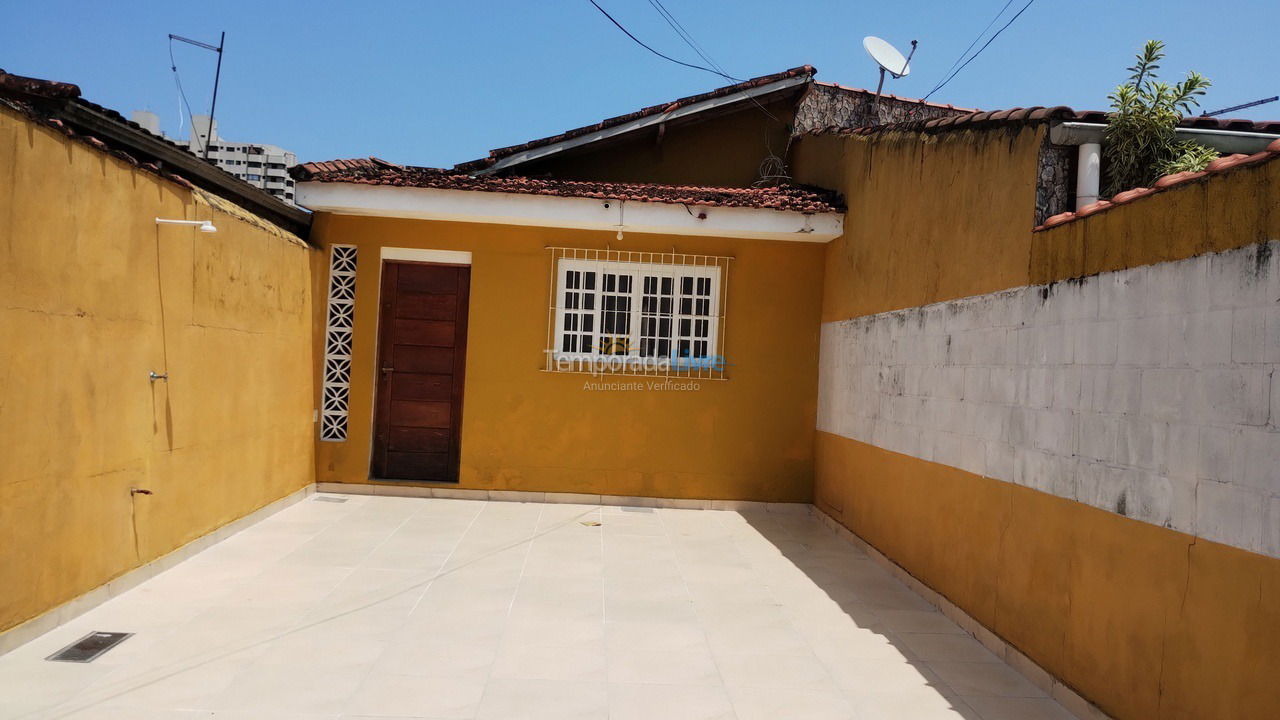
337 343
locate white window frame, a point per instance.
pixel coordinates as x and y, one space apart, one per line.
637 271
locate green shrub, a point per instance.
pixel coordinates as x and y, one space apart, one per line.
1140 145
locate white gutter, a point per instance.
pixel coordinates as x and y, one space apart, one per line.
1225 141
629 216
639 123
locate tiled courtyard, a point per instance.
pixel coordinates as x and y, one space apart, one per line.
381 607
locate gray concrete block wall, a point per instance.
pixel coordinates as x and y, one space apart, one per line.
1151 392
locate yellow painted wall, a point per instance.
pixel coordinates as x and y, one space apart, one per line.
93 296
1144 621
934 218
749 437
724 150
1220 213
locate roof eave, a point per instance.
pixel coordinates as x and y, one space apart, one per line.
195 170
578 213
543 151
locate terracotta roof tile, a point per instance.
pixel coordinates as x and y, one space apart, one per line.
1032 115
375 171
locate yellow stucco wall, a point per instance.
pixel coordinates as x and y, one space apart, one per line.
1144 621
1219 213
930 219
724 150
749 437
93 296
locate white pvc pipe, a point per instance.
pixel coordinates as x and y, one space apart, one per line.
1088 174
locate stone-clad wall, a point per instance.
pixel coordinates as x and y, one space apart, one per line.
825 106
1151 392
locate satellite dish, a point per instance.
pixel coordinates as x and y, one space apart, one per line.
888 58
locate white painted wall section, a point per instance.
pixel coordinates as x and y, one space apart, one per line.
569 212
1151 392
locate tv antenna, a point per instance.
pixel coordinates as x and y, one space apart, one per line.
1233 108
217 75
889 60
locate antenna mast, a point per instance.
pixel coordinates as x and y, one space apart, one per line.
1233 108
217 76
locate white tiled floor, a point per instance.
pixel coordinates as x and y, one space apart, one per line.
386 607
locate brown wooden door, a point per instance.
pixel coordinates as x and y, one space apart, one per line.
422 349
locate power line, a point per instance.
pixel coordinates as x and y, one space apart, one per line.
639 42
975 40
774 172
688 38
689 41
979 52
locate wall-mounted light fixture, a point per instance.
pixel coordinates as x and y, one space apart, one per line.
206 226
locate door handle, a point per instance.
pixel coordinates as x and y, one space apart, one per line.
387 370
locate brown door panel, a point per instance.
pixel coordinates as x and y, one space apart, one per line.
422 340
418 439
438 333
437 279
418 359
419 466
420 306
406 413
412 386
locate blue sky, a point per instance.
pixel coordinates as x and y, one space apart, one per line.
436 82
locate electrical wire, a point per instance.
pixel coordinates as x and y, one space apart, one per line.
689 40
979 52
641 43
177 79
975 41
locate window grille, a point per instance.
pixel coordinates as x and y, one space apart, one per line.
336 387
624 312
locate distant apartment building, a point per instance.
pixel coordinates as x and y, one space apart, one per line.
264 166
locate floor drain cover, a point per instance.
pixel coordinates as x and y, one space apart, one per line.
326 498
89 647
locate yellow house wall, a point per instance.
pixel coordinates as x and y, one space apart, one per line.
749 437
93 296
1142 620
